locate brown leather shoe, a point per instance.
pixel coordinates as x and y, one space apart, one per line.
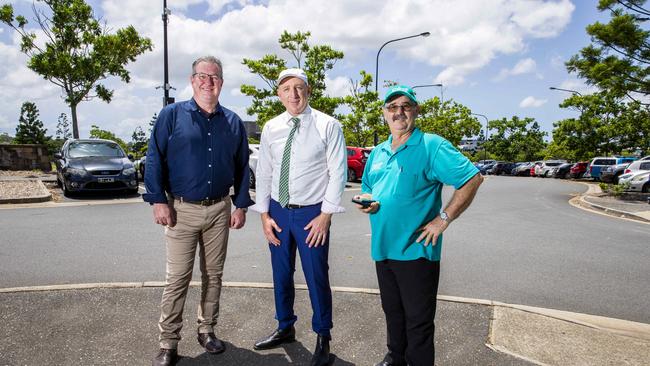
211 343
165 357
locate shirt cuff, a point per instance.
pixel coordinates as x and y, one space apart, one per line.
260 207
329 208
155 198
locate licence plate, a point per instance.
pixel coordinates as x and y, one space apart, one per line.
105 180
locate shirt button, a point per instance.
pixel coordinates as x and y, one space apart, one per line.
207 198
209 165
209 182
208 133
209 149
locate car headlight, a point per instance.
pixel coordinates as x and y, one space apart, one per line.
128 171
76 171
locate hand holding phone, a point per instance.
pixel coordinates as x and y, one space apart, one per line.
364 202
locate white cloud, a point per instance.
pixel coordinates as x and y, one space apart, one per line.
579 86
532 102
466 36
337 87
524 66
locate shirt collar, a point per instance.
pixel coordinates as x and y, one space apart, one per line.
305 116
414 139
193 106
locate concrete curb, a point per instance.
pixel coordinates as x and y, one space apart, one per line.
581 203
43 197
611 325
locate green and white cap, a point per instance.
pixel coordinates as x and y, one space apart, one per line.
400 90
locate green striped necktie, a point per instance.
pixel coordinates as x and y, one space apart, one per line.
284 169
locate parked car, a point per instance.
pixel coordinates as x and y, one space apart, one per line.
253 151
94 165
523 169
357 157
501 168
561 171
640 183
611 173
543 169
637 165
140 166
637 178
578 169
597 164
485 167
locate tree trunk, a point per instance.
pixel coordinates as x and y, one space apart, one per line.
75 128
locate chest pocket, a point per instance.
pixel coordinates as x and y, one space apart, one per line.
406 183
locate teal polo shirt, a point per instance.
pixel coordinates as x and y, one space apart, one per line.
408 185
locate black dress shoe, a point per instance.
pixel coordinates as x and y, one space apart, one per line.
165 357
278 337
211 343
322 352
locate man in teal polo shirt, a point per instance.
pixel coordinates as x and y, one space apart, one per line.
404 176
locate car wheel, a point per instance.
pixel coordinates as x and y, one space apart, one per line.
64 187
646 188
352 176
252 179
615 179
58 182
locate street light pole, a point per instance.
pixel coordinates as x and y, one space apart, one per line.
486 135
423 34
166 86
430 85
566 90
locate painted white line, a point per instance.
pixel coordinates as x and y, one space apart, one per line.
619 326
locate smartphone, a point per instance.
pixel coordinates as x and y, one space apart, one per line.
365 203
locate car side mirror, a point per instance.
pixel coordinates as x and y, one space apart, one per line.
130 156
58 156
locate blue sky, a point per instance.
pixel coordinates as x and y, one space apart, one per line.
497 57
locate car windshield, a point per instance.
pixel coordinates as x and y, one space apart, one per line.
86 149
553 164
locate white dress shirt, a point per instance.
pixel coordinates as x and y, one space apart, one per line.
318 166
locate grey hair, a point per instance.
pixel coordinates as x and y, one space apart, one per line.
210 60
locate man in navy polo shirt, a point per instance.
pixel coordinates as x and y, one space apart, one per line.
404 176
198 150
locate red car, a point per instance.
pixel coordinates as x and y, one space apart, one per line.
578 169
357 157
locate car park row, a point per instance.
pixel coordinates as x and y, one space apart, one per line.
632 172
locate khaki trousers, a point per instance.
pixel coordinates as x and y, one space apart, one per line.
208 227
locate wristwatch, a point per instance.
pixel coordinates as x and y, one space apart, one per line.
444 217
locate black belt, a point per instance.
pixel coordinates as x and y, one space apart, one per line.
293 207
205 202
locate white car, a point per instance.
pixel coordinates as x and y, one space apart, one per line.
637 181
253 150
638 165
544 169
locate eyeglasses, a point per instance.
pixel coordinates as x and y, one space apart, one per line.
203 77
395 107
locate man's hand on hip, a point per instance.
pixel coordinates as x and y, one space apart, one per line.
268 225
164 215
318 229
432 230
238 219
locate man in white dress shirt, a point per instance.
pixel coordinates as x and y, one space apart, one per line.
301 174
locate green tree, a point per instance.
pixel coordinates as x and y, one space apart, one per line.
450 120
365 113
30 129
5 138
139 142
97 133
515 139
63 128
78 51
618 60
314 60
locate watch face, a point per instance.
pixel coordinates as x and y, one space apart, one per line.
443 216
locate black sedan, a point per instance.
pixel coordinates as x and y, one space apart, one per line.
563 171
94 165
